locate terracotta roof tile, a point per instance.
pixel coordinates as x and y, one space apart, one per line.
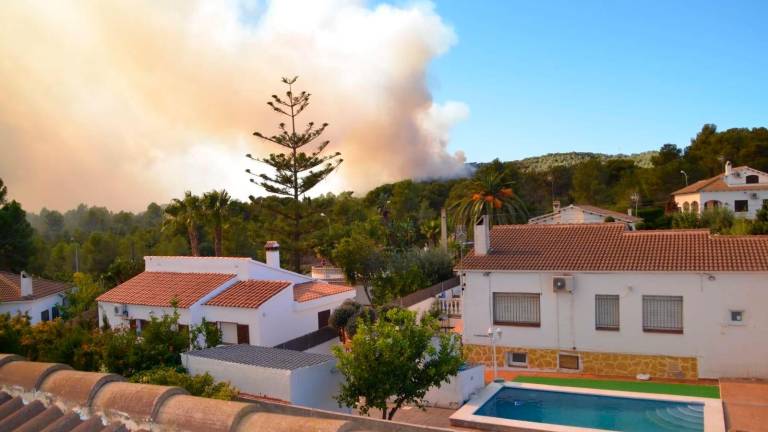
248 294
609 247
316 289
10 287
120 406
160 288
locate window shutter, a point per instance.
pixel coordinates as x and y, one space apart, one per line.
607 312
517 309
663 313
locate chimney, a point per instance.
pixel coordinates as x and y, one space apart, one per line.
482 236
556 206
728 168
629 211
273 253
26 284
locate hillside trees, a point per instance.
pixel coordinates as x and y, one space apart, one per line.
16 235
216 207
296 172
186 215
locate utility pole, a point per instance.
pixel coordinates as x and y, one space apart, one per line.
443 230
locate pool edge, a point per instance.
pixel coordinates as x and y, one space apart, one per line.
714 417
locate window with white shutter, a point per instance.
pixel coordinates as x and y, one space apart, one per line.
518 309
663 314
606 312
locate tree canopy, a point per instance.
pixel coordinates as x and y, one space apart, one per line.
394 360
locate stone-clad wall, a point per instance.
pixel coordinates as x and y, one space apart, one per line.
592 363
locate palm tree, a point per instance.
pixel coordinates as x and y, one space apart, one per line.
216 206
489 194
186 215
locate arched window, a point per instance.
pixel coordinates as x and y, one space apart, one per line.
695 207
686 207
752 179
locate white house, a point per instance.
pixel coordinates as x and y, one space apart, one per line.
741 189
600 299
296 377
39 298
584 214
251 302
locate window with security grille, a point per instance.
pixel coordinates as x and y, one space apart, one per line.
663 314
606 312
520 309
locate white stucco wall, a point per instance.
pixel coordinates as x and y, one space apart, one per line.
312 386
137 312
259 381
244 268
33 307
567 320
461 387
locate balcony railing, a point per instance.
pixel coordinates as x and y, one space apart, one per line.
450 306
327 273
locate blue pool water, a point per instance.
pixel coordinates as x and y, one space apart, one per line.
592 411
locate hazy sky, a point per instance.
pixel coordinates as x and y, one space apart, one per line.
600 75
120 103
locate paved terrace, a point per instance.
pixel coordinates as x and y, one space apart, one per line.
53 397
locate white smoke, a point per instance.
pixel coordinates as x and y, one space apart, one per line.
120 103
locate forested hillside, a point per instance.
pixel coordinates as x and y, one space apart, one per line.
401 216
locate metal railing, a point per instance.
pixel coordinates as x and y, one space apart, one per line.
327 273
421 295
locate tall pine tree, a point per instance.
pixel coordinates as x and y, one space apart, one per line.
296 171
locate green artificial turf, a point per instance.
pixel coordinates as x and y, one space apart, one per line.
707 391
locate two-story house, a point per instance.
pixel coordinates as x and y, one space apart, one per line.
601 299
741 189
251 302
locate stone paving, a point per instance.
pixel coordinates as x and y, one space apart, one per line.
746 405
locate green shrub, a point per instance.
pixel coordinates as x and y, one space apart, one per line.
197 385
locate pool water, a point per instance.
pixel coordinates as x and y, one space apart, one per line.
593 411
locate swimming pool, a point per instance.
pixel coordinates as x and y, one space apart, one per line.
516 406
594 411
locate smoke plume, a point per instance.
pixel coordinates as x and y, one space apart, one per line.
120 103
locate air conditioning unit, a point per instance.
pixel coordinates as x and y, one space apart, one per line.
753 196
562 283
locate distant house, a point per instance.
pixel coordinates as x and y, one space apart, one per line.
583 214
40 298
295 377
600 299
743 190
250 301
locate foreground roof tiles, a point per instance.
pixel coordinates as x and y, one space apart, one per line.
610 247
316 289
53 397
248 294
160 288
252 355
10 287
